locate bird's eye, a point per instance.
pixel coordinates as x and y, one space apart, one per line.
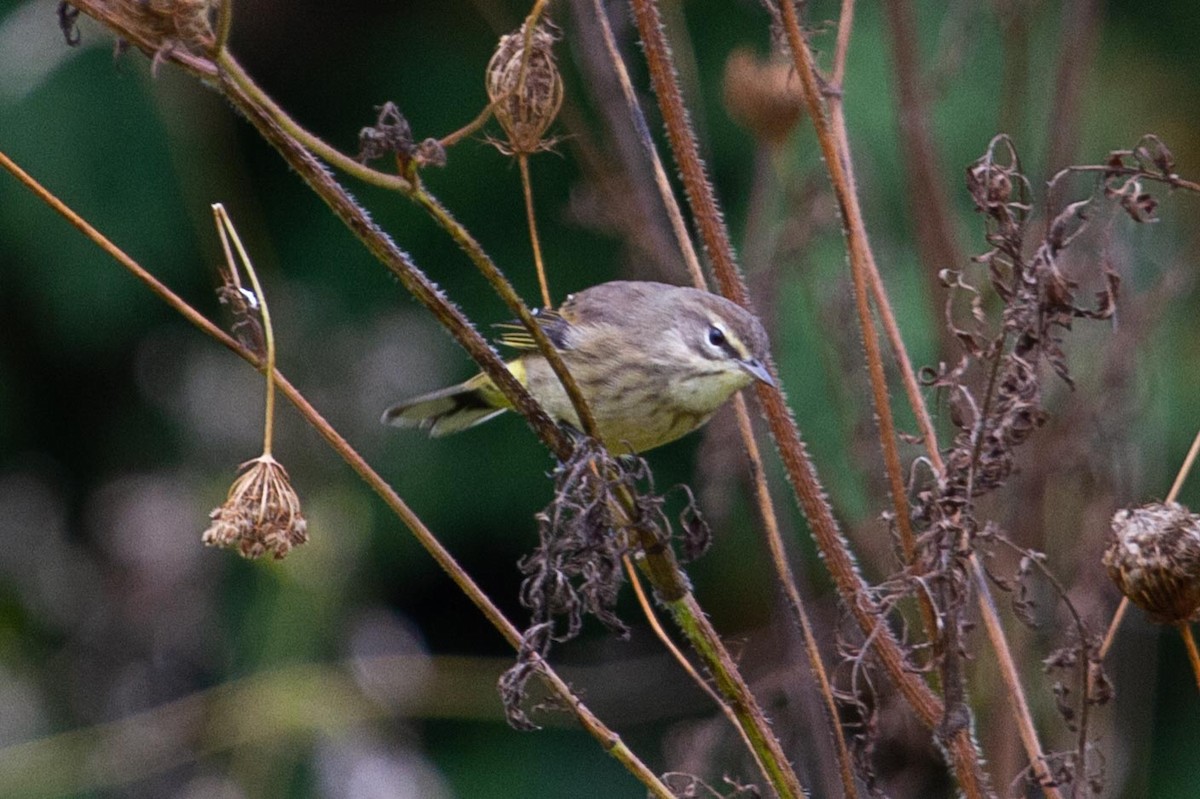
716 336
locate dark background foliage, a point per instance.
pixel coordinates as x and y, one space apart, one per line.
121 427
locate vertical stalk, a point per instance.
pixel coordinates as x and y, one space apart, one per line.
531 218
227 231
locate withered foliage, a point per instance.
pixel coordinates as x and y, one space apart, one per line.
392 135
1022 301
603 508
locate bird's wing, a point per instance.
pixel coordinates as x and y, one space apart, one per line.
553 323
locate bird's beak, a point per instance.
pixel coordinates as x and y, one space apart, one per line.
757 368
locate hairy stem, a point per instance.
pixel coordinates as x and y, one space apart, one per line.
610 741
531 218
800 470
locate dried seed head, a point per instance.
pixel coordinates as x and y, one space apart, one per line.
764 96
1154 558
261 513
172 23
525 109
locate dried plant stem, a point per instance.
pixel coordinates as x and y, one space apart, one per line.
661 566
610 740
1180 477
791 590
762 492
835 143
228 232
483 262
685 664
531 218
800 470
1189 641
674 214
238 89
987 607
701 634
232 72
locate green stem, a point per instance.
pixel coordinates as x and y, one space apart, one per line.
609 739
228 232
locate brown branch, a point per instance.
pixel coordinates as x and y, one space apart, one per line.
835 144
800 470
929 207
610 740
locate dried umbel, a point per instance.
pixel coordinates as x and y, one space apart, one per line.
1154 559
261 514
171 23
526 88
764 96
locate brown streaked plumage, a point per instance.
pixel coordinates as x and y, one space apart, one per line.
653 361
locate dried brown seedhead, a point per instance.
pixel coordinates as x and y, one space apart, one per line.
1154 558
764 96
526 88
261 513
168 24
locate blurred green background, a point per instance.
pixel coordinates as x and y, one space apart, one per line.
135 662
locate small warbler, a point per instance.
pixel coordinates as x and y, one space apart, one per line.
652 361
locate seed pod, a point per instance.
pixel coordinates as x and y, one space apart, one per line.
1154 558
525 109
764 96
261 513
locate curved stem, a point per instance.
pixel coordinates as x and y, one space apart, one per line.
611 742
1185 630
531 218
228 232
800 470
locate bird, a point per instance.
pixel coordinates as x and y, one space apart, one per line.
653 362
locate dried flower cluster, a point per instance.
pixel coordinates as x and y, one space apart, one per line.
583 536
261 513
167 24
764 96
1154 559
526 88
1039 305
392 135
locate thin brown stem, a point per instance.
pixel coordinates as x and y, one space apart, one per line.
248 102
483 262
228 233
762 493
962 749
835 143
1180 478
610 740
678 224
1188 462
684 663
531 218
800 470
1189 641
791 591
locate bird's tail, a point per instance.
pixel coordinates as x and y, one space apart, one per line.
451 409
